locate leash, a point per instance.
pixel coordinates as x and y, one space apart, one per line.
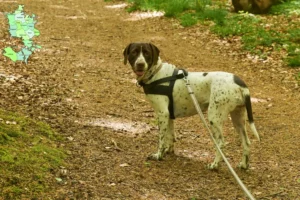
244 188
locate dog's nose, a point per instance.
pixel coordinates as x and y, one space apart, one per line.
140 66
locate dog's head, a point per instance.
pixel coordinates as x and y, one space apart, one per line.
141 56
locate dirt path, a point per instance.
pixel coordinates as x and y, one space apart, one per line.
91 98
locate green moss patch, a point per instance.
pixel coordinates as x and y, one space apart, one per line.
29 154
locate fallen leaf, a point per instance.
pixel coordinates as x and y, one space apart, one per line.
58 179
124 165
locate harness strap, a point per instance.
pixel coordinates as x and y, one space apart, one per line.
167 90
170 95
174 77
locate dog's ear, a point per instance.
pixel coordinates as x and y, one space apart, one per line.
155 53
125 53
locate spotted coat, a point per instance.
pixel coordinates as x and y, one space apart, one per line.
220 93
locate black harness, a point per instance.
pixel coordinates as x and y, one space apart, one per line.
156 88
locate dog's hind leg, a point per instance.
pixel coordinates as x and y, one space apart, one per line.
238 117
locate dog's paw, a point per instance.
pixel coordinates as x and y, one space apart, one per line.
169 150
243 166
213 166
154 156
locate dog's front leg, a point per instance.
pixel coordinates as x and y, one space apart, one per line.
166 136
216 116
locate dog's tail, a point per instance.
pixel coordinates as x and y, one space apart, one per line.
250 115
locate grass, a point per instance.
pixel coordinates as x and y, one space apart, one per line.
291 6
28 155
188 19
259 35
144 5
174 8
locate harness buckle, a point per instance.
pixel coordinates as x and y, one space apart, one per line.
138 84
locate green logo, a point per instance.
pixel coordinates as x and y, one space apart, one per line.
21 26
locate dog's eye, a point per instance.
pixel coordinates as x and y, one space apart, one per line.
135 52
146 53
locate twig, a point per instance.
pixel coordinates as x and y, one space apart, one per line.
116 145
271 195
59 39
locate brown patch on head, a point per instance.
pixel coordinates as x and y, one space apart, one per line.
155 53
125 53
148 50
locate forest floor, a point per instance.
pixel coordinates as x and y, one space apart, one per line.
78 84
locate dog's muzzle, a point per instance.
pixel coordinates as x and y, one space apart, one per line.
140 69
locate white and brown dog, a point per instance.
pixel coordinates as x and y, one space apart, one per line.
219 93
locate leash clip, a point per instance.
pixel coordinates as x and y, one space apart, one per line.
185 74
187 82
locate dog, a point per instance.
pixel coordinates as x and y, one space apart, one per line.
254 6
220 93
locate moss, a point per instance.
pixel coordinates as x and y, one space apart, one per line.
28 155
